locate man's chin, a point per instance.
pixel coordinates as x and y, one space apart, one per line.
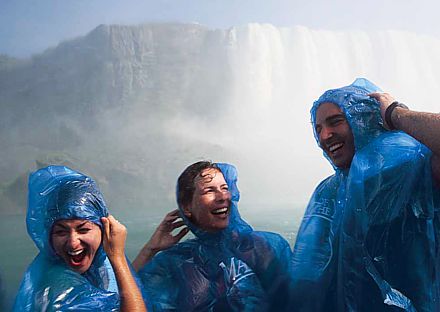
342 165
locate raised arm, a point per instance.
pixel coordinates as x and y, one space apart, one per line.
114 242
424 127
161 239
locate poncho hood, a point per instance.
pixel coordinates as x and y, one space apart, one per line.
58 193
361 111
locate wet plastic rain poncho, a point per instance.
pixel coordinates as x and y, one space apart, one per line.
369 237
57 193
236 269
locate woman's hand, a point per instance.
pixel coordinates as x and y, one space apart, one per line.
114 236
113 241
162 238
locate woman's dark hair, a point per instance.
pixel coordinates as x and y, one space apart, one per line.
185 183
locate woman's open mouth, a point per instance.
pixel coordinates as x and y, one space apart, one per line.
220 211
76 257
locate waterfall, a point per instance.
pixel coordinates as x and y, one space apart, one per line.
142 102
133 105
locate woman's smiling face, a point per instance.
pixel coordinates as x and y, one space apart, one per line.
76 241
210 205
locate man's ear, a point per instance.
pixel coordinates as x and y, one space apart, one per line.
187 211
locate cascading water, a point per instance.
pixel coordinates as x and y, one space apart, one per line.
133 105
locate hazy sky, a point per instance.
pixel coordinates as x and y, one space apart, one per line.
31 26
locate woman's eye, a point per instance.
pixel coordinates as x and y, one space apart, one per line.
59 232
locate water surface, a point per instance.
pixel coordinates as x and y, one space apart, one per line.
19 250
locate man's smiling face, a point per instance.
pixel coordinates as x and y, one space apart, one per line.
334 134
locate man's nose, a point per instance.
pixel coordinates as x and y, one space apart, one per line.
326 133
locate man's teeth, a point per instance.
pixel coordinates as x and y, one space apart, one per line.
75 253
220 210
335 147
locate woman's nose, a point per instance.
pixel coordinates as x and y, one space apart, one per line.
223 195
74 241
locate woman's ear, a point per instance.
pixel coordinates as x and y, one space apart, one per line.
187 211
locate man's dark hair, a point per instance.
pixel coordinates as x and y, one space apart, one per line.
185 183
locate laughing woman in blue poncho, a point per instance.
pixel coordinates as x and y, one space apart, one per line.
227 266
370 236
81 265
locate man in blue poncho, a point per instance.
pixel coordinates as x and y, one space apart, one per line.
227 266
81 265
369 239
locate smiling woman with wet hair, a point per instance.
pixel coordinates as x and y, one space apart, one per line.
227 266
197 187
81 265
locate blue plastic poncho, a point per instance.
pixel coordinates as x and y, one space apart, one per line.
369 237
57 193
236 269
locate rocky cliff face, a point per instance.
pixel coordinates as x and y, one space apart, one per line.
133 105
108 100
164 66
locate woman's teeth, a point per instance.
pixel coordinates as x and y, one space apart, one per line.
220 210
75 253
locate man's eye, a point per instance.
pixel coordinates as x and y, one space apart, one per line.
336 122
83 231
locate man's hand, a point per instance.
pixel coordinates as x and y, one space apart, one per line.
385 100
424 127
114 236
